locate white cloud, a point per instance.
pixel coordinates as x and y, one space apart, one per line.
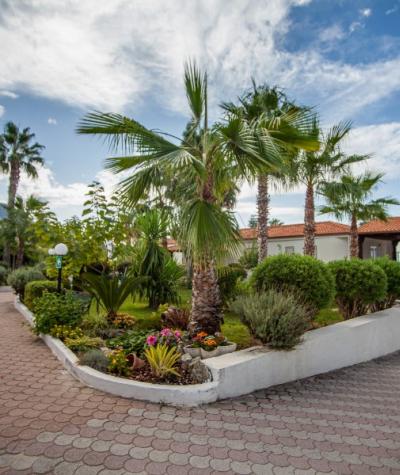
332 33
52 121
366 12
2 110
9 94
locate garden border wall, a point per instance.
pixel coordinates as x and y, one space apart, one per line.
242 372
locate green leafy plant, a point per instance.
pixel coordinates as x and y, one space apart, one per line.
53 309
162 360
277 318
18 279
392 271
249 258
118 363
109 291
3 275
63 332
228 277
83 343
359 285
96 359
305 275
35 289
95 324
132 341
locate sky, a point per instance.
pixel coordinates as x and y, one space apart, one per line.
60 60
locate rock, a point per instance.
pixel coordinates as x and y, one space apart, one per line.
198 371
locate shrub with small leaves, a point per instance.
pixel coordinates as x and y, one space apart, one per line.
123 320
359 286
118 363
83 343
277 318
96 359
54 309
228 277
392 271
35 289
63 332
132 341
18 279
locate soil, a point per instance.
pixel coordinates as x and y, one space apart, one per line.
144 374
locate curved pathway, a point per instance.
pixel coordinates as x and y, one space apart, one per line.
344 422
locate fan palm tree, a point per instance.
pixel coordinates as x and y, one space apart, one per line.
349 198
264 104
201 160
17 153
310 168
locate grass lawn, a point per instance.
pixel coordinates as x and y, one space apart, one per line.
232 328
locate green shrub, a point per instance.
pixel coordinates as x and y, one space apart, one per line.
3 275
359 285
96 359
308 277
228 277
83 343
392 271
249 258
277 318
35 289
132 341
53 309
63 332
20 277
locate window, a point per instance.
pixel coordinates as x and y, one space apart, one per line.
373 252
289 249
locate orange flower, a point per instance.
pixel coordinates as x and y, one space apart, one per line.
201 335
210 342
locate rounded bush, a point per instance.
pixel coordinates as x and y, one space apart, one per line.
359 285
274 317
305 275
392 271
96 359
35 289
20 277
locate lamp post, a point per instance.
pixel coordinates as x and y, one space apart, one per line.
59 251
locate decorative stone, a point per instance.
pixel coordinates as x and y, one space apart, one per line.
198 370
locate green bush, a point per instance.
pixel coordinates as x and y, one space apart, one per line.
20 277
83 343
392 271
35 289
132 341
53 309
96 359
249 259
3 275
277 318
359 285
228 277
308 277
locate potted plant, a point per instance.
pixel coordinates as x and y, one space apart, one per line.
209 347
194 348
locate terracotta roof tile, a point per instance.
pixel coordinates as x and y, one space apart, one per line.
323 228
392 225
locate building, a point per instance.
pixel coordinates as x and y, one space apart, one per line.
376 239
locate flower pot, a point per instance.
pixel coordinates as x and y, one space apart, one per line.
192 351
229 348
209 354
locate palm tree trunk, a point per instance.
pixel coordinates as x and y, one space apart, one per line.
206 314
354 238
263 211
12 193
309 222
20 253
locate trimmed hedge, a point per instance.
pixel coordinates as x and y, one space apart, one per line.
20 277
359 285
35 289
305 275
392 271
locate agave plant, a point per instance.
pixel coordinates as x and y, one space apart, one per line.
110 291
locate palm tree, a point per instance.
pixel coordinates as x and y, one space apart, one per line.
264 104
350 198
312 167
275 222
17 153
201 160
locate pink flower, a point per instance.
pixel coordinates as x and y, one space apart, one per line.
165 332
151 340
178 334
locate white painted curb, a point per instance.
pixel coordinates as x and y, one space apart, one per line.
336 346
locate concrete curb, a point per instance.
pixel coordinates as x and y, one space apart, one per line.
235 374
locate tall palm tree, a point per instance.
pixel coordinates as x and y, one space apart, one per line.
17 153
349 198
269 104
312 167
202 160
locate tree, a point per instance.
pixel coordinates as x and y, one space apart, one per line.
275 222
202 160
17 153
266 105
253 221
310 168
350 198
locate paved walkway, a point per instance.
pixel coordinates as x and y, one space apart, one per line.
344 422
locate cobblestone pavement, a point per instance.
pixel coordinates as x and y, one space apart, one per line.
344 422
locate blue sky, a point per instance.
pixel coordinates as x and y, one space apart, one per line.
60 60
